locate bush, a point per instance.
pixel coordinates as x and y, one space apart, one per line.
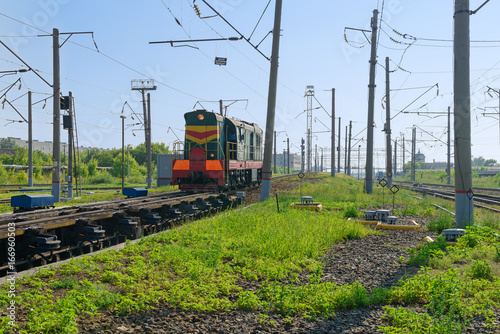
100 179
351 212
443 222
422 256
481 269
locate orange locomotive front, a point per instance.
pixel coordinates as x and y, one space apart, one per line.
218 153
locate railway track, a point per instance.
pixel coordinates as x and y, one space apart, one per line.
481 200
50 235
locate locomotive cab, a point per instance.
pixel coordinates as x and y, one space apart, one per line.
218 153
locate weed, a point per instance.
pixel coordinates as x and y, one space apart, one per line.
440 223
351 212
429 250
481 269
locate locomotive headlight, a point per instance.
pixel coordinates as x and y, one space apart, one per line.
211 155
201 117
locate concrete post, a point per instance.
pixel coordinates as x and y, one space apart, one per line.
371 107
332 162
70 151
149 179
56 121
464 210
30 142
271 105
388 167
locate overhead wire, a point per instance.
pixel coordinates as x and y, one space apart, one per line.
106 56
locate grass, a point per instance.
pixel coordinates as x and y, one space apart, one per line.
199 265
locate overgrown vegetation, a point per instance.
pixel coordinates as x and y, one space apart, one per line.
199 266
96 166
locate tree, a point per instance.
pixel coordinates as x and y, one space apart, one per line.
7 143
490 162
478 162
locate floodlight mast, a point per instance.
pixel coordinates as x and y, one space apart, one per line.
144 85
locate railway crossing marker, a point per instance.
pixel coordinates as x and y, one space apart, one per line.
383 183
301 176
394 189
470 196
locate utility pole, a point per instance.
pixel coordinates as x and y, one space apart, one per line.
321 168
271 105
316 158
395 157
338 161
345 151
148 146
332 160
359 167
123 150
388 167
448 179
56 121
309 95
30 142
349 150
413 149
303 155
143 85
464 209
288 151
275 170
404 164
371 107
70 143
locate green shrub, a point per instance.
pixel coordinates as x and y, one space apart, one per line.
351 212
100 179
481 269
438 224
422 256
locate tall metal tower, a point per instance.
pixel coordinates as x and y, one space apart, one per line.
144 85
309 95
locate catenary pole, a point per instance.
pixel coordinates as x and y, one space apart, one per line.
56 121
345 150
288 153
30 141
332 160
464 210
388 167
275 170
349 150
148 145
413 151
338 159
271 105
70 143
404 163
448 180
371 107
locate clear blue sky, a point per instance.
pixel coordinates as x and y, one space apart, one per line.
313 52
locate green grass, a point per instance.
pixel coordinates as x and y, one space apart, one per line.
199 265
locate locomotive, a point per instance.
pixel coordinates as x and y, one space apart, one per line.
219 153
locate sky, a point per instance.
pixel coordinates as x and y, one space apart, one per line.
315 49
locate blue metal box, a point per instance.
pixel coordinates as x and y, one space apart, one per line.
31 201
135 192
